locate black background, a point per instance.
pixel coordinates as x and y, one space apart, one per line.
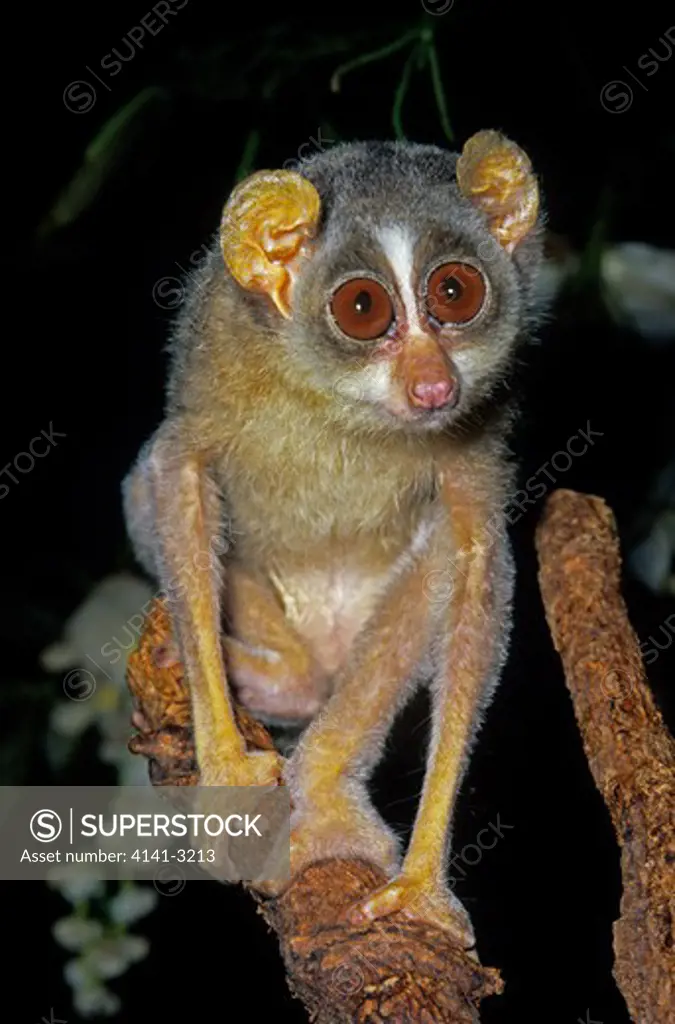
83 351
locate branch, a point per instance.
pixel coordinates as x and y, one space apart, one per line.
630 752
402 969
399 969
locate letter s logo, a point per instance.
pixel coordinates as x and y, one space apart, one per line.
45 826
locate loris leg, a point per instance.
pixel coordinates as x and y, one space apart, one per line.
272 669
173 507
333 815
470 665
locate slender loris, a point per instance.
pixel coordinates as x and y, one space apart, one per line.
336 409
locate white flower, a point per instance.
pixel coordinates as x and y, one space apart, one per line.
112 751
104 627
131 904
75 887
652 560
58 656
96 1001
640 280
133 771
109 958
74 933
70 718
136 947
77 974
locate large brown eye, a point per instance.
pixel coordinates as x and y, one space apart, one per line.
455 293
362 309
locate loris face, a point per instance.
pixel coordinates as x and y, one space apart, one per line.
407 327
405 300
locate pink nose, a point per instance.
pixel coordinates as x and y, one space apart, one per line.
431 395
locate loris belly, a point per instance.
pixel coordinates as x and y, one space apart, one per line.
290 633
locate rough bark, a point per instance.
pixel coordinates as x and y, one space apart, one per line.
630 752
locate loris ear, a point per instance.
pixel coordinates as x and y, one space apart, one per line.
264 232
496 175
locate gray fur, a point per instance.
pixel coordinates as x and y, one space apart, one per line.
365 186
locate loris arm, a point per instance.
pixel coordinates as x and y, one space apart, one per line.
172 507
476 626
327 774
174 514
468 628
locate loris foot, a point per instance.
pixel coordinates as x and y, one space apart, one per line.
344 826
420 900
246 768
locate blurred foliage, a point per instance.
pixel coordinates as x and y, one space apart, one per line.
101 158
275 58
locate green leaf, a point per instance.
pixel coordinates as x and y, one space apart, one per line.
400 94
248 156
100 159
439 92
369 58
589 273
